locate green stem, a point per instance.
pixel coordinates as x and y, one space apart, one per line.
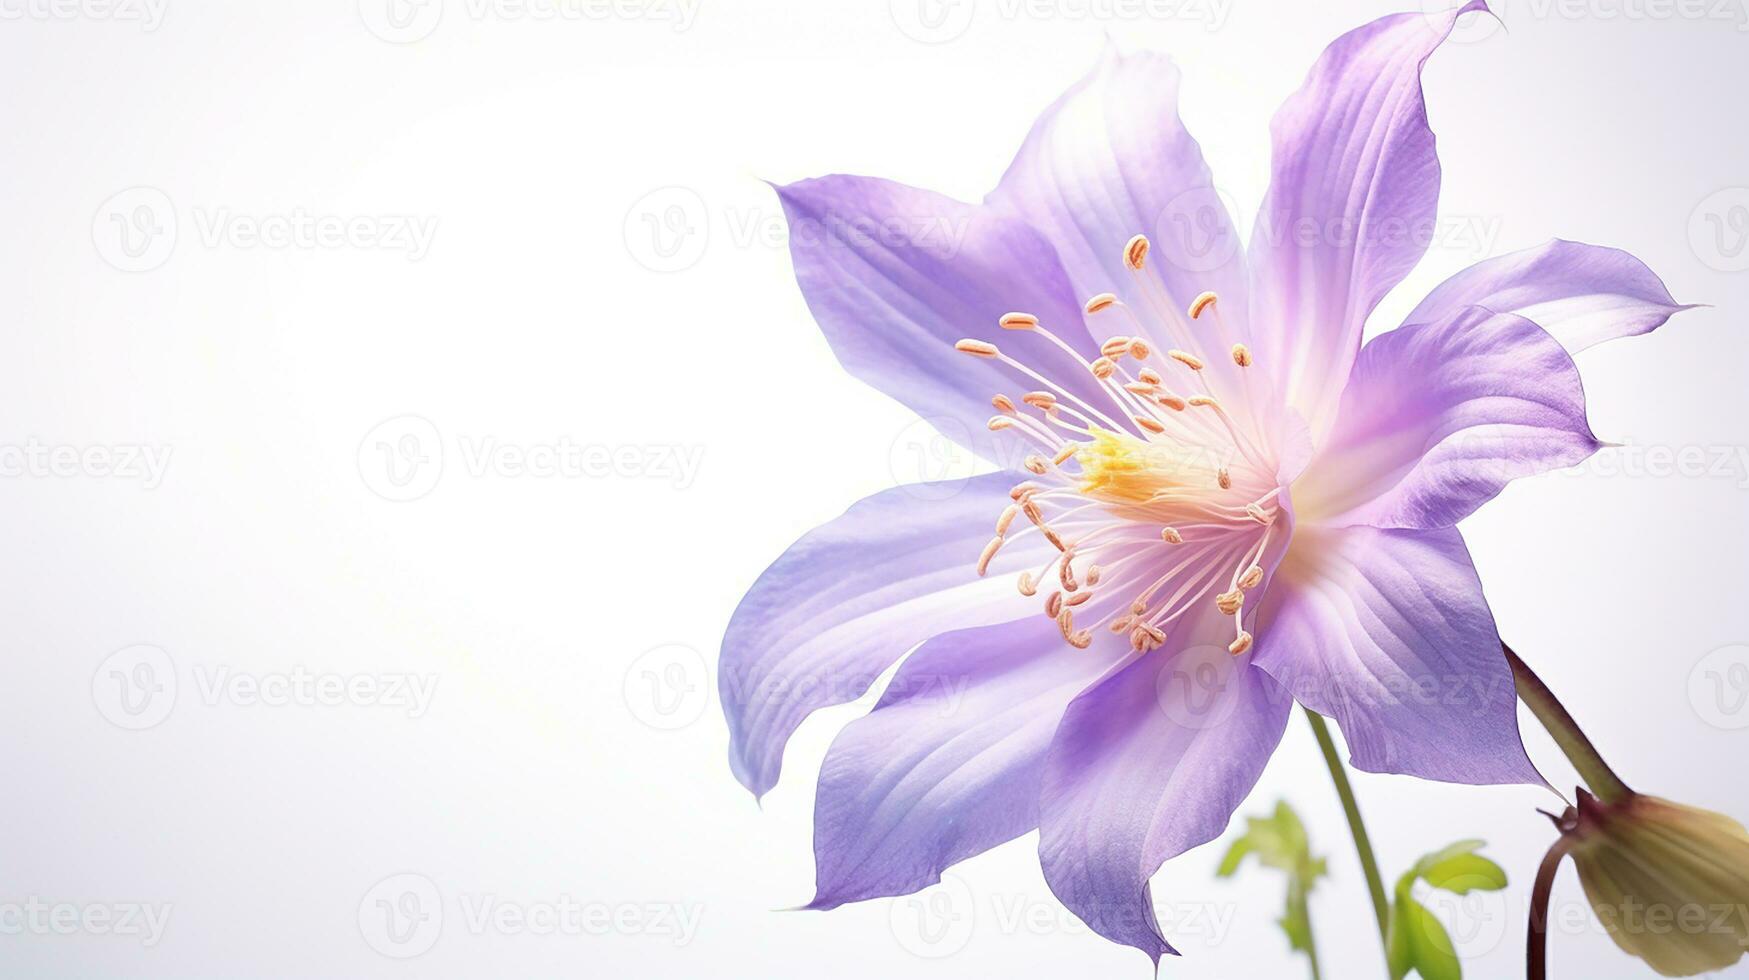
1296 895
1602 780
1356 826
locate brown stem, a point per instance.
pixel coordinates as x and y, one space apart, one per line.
1536 946
1566 732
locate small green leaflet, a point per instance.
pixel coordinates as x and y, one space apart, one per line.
1416 940
1279 842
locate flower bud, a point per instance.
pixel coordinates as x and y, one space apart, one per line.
1669 882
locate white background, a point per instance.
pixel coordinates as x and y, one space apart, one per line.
561 297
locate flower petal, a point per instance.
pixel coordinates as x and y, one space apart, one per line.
1352 198
1387 631
896 275
948 764
1146 765
853 596
1439 417
1111 159
1581 294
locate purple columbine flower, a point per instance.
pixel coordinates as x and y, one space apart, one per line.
1214 499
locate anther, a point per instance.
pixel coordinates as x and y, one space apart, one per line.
1055 539
976 348
1003 404
1035 463
1224 478
1077 598
1139 388
1027 586
1259 515
1064 453
1186 358
1120 624
1103 368
1041 400
989 553
1100 302
1140 350
1024 489
1018 321
1173 402
1136 252
1081 640
1138 607
1053 604
1229 602
999 422
1009 513
1151 425
1240 644
1203 400
1093 573
1252 576
1066 572
1202 302
1114 346
1241 355
1170 535
1149 375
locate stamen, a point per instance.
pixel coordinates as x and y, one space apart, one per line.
1077 598
976 348
1170 535
1009 513
1100 302
1259 515
1104 368
1241 355
1229 602
1044 401
1018 321
1240 644
1003 404
1035 463
1149 376
1053 604
1252 576
1064 453
1202 302
1136 252
989 553
1224 478
1186 358
1114 346
1139 349
1150 424
999 422
1027 586
1173 402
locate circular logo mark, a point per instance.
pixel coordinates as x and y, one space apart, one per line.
932 21
1198 688
401 21
936 922
1475 921
1718 230
135 230
402 458
1718 687
1477 25
135 687
401 916
667 229
1197 230
929 458
668 688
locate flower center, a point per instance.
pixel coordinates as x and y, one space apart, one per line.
1155 499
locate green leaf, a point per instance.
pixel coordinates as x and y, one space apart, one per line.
1279 841
1235 854
1417 941
1465 873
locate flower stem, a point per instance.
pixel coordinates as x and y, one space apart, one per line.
1297 897
1602 780
1356 826
1536 945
